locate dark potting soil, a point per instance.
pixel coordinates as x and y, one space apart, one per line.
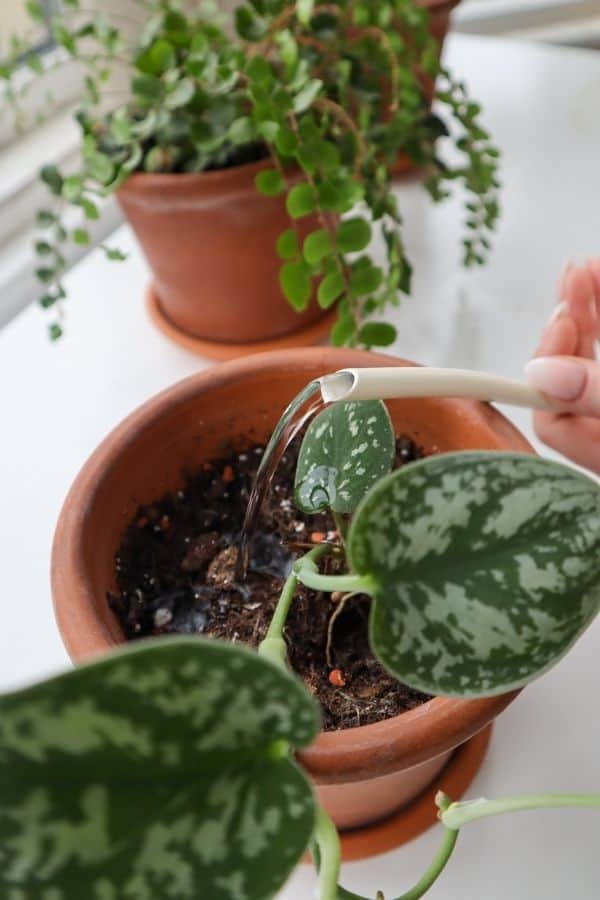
176 573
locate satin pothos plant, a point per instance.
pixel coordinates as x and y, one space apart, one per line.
167 770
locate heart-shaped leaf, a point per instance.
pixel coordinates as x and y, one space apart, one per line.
484 568
161 771
346 449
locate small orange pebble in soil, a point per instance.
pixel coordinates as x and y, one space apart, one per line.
317 537
337 596
228 474
207 467
142 522
165 522
336 678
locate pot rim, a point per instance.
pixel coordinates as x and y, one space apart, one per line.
144 182
373 750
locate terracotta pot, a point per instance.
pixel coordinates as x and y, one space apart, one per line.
440 12
210 239
439 15
362 774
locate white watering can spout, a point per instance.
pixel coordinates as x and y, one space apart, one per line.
413 381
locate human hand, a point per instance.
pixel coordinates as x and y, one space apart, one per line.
565 368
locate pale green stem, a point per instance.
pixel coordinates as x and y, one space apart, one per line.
306 571
459 814
341 525
419 890
273 646
328 856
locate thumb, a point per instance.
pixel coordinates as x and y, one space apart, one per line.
572 381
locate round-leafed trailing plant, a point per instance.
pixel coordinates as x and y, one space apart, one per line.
338 90
167 770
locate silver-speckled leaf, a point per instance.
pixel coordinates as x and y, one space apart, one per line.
345 450
484 567
158 772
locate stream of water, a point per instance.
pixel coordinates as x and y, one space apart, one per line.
303 407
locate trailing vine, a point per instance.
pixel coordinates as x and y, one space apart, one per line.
337 91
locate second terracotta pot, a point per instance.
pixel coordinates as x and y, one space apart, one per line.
210 241
361 774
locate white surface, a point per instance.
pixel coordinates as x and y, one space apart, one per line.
57 402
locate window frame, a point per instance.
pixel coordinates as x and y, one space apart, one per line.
511 16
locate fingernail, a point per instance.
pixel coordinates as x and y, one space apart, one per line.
560 310
560 378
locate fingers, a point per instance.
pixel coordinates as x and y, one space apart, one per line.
560 336
565 370
579 293
593 266
570 380
575 437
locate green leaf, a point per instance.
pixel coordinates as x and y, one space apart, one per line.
286 142
89 208
43 248
269 130
64 37
114 254
54 333
345 451
306 95
301 200
270 182
287 244
121 125
339 195
159 57
242 130
248 25
45 274
316 246
330 289
52 177
365 279
147 87
99 166
258 69
181 94
81 236
296 284
160 770
45 218
484 568
377 334
35 11
343 330
305 10
353 235
72 187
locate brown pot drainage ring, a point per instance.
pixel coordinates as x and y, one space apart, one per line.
304 337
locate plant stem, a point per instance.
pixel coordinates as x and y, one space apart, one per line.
420 889
459 814
328 857
341 525
273 646
435 869
337 612
306 572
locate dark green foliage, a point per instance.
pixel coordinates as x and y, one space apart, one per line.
331 93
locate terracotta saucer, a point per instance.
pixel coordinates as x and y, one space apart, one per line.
421 814
304 337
